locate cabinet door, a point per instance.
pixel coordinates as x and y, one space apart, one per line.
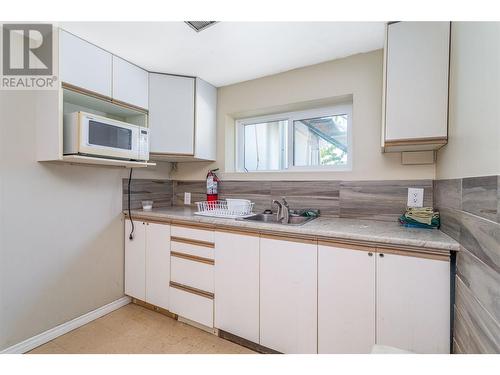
84 65
157 264
288 296
346 300
130 83
206 124
171 114
135 260
413 303
417 80
237 284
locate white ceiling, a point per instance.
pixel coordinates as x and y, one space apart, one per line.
230 52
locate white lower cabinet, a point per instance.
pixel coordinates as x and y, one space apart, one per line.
413 303
237 284
292 295
157 264
147 262
192 274
135 260
198 308
346 300
288 295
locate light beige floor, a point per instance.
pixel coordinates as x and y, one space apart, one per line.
134 329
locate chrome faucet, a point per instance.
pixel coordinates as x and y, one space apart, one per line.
283 213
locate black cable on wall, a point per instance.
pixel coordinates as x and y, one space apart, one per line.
131 235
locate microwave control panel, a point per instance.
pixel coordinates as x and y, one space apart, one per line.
143 144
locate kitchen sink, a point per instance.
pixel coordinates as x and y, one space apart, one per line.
271 218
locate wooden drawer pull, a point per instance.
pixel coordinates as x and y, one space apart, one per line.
191 290
194 258
192 242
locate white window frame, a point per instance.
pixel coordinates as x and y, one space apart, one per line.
344 108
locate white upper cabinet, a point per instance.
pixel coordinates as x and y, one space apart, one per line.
288 296
346 300
413 303
84 65
205 132
416 85
130 83
182 118
237 284
171 114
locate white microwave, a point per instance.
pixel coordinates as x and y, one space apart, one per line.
88 134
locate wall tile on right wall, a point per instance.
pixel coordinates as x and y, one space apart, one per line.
479 196
469 214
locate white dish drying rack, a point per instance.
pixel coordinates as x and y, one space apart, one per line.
230 208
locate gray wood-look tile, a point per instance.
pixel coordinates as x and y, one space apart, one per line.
475 329
482 238
450 222
483 281
448 193
198 190
244 188
258 192
480 196
322 195
379 200
456 348
464 334
498 199
159 191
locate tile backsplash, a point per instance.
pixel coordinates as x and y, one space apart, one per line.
470 214
379 200
375 200
159 191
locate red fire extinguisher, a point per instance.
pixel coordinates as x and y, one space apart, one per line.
212 185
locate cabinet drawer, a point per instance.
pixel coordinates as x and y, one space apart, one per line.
192 306
192 249
192 273
193 234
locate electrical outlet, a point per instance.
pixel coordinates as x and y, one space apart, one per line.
415 197
187 198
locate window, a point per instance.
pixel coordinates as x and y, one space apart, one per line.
318 139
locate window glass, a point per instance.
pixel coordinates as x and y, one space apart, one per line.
264 146
320 141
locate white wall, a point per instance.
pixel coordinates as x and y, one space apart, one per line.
359 75
473 147
61 231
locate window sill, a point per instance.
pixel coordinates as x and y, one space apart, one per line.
284 173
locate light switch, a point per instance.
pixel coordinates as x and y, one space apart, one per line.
187 198
415 197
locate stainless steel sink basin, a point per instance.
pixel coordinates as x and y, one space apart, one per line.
271 218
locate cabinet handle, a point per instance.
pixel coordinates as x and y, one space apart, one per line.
370 254
381 255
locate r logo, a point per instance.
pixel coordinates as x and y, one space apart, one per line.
27 49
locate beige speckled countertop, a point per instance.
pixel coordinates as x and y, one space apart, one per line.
363 231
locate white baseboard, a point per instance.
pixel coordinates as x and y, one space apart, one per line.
51 334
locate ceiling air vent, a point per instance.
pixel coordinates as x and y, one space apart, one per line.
200 25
